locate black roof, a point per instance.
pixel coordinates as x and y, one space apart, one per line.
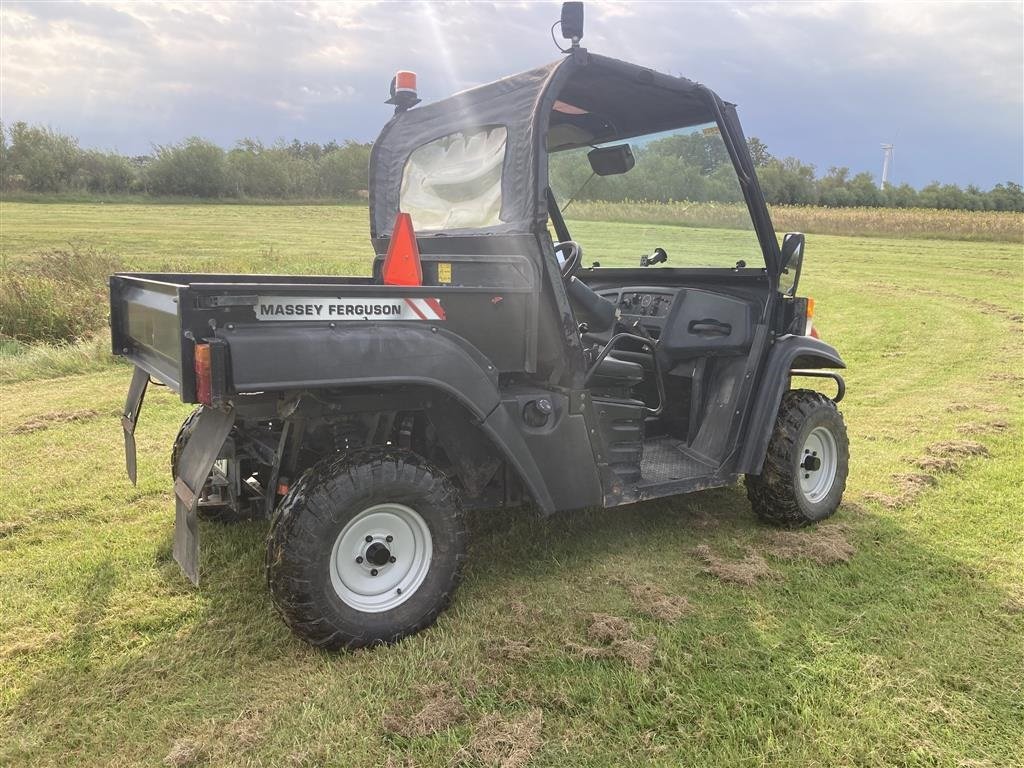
576 101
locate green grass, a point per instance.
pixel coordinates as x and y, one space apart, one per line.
911 653
265 237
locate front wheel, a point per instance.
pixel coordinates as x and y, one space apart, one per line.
365 549
805 468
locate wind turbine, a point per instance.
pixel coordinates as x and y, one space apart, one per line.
887 161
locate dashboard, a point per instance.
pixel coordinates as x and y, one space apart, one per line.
685 319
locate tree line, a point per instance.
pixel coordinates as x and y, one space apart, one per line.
696 167
692 167
39 159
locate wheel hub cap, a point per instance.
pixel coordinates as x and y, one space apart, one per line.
381 557
377 554
811 463
817 464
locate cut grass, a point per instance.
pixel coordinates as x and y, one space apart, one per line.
890 636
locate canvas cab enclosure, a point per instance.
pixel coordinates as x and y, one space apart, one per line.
472 170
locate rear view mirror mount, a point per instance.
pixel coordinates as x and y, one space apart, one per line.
611 161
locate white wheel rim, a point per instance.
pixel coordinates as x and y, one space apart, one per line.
817 464
381 557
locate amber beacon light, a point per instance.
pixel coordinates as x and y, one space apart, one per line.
403 91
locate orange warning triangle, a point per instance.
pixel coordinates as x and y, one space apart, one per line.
402 264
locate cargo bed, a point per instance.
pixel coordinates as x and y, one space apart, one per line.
158 318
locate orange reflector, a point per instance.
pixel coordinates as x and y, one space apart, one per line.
402 264
204 377
405 81
810 307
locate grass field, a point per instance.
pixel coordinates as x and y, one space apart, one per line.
892 635
988 226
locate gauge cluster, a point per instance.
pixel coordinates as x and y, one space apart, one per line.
645 302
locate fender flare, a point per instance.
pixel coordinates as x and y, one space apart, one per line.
292 356
788 352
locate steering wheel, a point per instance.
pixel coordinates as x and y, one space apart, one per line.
572 255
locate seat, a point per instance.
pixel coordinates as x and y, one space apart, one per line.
613 372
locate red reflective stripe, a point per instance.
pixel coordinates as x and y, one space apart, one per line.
436 306
412 303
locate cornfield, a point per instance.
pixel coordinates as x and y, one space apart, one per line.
992 226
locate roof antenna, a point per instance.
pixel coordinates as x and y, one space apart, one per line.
572 26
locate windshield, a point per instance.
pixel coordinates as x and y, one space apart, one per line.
682 196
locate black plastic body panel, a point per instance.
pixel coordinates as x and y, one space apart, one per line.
622 433
293 356
703 323
560 454
787 353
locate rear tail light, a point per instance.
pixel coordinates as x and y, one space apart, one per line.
204 374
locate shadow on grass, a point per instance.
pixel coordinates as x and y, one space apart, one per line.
762 670
92 608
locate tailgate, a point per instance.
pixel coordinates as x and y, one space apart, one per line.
146 328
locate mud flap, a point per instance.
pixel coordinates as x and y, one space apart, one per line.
194 464
130 418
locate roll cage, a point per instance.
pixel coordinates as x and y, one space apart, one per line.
576 101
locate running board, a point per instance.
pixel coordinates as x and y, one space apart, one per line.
669 468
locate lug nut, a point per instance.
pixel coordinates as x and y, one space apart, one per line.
373 571
369 539
391 559
389 539
359 559
399 590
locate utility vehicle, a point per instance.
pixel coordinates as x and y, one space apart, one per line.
486 363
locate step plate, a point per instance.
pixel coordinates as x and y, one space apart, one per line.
667 459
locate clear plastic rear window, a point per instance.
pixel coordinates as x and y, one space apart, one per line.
455 182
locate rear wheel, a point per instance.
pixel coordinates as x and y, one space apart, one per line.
805 468
365 549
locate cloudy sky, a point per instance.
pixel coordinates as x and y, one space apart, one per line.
826 82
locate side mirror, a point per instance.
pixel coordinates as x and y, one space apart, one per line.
611 161
792 261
